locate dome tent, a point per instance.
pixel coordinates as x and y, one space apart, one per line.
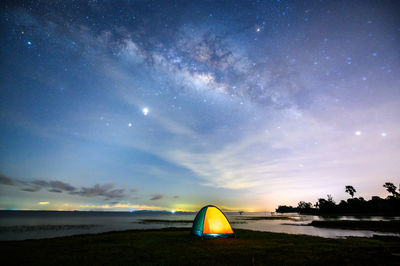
211 222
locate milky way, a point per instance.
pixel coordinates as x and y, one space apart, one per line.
170 105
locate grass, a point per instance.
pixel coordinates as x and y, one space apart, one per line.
178 246
382 226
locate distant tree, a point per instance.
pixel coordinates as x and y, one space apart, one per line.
304 205
330 199
351 190
391 188
285 209
326 206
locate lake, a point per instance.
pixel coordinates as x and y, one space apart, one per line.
19 225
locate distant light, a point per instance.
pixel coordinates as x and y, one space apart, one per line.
364 78
132 211
145 111
383 134
29 43
129 124
44 203
358 133
258 29
173 211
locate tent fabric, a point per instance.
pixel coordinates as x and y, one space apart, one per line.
211 222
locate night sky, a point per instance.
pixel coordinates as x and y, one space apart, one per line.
171 105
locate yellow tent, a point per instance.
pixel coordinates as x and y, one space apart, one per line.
211 222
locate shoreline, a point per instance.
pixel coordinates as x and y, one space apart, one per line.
376 226
370 228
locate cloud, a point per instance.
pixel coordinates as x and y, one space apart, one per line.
40 183
157 197
55 190
31 189
61 186
107 191
5 180
122 206
55 186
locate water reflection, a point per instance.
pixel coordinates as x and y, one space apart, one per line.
27 225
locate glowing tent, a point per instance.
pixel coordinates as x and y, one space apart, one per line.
211 222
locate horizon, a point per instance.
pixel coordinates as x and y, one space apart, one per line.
173 211
171 105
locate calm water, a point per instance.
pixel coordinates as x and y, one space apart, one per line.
18 225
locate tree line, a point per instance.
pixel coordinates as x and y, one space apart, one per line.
375 206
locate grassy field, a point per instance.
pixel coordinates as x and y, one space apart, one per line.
178 246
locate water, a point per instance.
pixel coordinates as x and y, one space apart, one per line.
19 225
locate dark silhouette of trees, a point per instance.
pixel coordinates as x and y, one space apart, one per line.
286 209
391 188
353 205
304 205
351 190
326 205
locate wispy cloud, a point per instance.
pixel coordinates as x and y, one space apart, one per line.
5 180
157 197
123 206
106 191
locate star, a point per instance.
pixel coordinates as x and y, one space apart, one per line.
145 111
129 124
383 134
29 43
358 133
258 29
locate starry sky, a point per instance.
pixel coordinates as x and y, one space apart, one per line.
171 105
